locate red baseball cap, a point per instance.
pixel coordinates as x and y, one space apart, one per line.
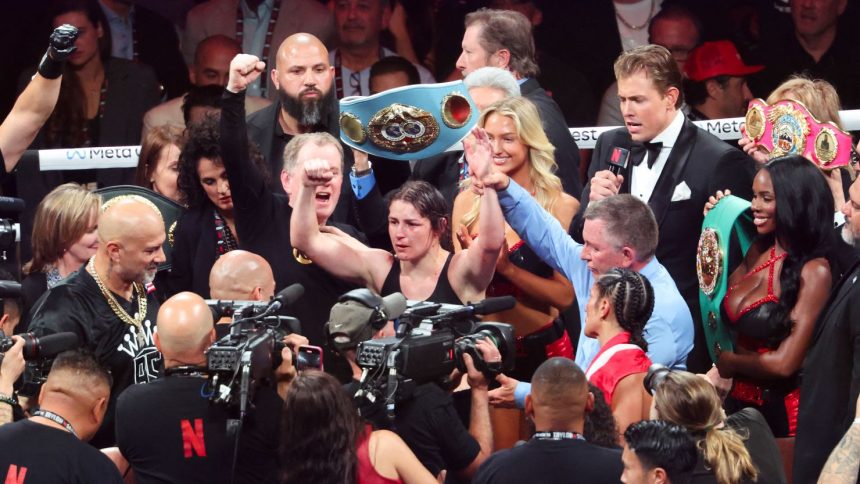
718 58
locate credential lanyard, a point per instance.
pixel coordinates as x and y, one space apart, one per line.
558 436
57 419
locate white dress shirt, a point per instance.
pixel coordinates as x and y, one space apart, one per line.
644 178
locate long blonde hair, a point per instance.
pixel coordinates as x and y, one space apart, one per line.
688 400
541 161
818 95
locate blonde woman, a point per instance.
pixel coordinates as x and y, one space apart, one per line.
690 401
64 238
522 151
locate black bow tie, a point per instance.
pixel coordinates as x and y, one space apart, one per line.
638 150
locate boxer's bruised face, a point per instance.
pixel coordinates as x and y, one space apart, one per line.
646 110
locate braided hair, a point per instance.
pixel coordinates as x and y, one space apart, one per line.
633 301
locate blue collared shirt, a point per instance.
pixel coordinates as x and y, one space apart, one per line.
669 331
122 32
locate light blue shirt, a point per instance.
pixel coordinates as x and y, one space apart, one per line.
669 331
121 33
255 25
362 185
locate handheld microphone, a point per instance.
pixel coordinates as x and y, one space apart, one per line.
618 160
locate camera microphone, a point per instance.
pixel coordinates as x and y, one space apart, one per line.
487 306
618 160
393 305
288 295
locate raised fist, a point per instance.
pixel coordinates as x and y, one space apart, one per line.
62 43
60 47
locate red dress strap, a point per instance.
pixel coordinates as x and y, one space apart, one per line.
365 473
770 264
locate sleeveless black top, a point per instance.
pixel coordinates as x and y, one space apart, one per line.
442 293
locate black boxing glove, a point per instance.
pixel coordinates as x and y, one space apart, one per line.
61 46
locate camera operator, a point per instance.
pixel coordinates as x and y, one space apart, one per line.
186 439
11 366
49 446
10 303
240 275
427 420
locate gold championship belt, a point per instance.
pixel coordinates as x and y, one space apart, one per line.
787 128
730 216
170 212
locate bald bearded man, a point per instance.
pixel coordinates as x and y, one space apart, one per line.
186 440
49 447
306 104
106 303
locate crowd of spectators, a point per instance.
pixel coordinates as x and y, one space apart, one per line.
235 107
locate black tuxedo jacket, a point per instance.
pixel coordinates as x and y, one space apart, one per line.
705 164
555 127
830 379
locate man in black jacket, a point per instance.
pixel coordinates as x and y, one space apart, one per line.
501 38
674 167
830 378
306 103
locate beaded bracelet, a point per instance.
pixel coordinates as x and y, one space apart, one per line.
8 400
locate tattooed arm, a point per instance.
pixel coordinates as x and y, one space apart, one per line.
844 462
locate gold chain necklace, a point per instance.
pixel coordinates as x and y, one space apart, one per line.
636 27
115 306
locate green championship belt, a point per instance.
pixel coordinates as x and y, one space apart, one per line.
170 212
730 215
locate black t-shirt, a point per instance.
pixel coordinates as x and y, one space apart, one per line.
551 461
429 425
170 432
78 305
34 453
